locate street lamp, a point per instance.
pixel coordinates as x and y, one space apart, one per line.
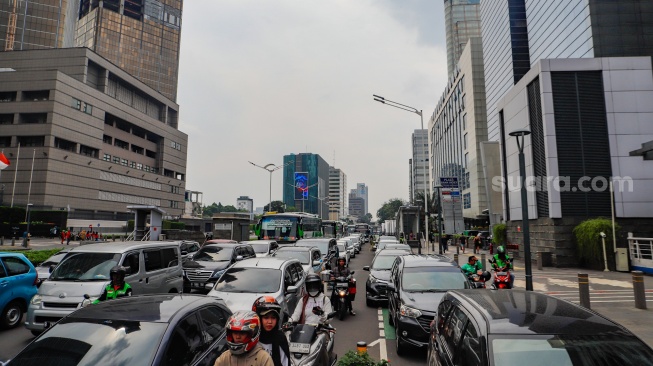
270 168
26 239
438 187
426 209
519 135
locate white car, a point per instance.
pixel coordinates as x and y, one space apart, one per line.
344 253
355 240
350 247
310 258
262 248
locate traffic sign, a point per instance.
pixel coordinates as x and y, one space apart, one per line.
449 182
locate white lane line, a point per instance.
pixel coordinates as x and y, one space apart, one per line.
381 318
383 352
381 333
374 343
381 325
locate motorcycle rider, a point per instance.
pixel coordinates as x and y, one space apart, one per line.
342 271
473 266
272 339
315 300
117 287
243 330
501 262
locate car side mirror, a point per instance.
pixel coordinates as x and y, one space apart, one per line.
128 270
51 268
239 258
183 252
291 290
366 268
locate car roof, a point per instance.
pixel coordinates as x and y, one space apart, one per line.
264 262
294 249
322 240
120 247
220 241
528 312
159 308
427 260
393 252
223 244
258 241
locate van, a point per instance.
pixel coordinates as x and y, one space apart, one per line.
152 267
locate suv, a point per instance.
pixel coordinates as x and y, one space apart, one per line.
204 268
519 327
152 267
377 282
18 280
417 283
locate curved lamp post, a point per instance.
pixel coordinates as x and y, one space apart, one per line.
520 135
270 168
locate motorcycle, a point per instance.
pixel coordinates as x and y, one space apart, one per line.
501 279
344 289
478 280
311 344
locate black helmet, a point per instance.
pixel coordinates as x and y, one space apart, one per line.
501 250
265 305
119 271
313 284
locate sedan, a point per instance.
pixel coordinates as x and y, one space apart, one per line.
405 247
145 330
310 258
518 327
262 248
350 247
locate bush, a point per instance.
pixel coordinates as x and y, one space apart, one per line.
353 358
38 256
588 239
499 236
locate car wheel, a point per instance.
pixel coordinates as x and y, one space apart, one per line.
11 315
391 319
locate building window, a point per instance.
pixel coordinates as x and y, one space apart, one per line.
147 168
465 142
88 109
65 144
132 164
466 160
121 144
116 160
31 141
467 200
76 104
88 151
107 157
123 162
175 145
107 139
139 166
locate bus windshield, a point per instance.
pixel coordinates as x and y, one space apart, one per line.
279 227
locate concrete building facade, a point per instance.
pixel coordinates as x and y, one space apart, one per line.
462 20
99 138
306 183
337 193
419 174
360 192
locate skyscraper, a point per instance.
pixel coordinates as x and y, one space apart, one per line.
306 183
462 20
360 192
337 193
419 164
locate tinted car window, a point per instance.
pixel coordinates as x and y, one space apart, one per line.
3 273
454 329
263 280
169 257
470 350
433 278
15 266
317 255
85 266
214 319
299 271
213 253
152 260
443 312
250 252
185 343
131 261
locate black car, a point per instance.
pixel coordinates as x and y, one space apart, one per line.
417 282
168 329
518 327
206 266
377 282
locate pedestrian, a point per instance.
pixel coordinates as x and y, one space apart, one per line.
63 236
463 241
443 242
478 243
68 236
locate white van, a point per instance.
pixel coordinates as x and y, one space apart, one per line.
152 267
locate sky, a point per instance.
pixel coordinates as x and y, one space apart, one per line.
260 79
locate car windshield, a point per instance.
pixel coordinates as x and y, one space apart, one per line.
341 247
213 253
252 280
94 342
85 267
301 255
322 246
260 247
383 262
419 279
561 350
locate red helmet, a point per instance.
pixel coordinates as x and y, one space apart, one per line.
247 322
267 304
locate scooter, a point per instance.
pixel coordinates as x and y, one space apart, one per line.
312 344
501 279
344 288
478 281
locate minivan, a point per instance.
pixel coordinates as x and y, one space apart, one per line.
18 279
152 267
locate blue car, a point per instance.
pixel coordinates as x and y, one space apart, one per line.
18 281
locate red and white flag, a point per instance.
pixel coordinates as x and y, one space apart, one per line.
4 162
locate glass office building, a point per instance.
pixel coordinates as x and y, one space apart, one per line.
419 164
306 183
462 20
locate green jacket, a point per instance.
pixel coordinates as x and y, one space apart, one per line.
110 293
502 263
469 269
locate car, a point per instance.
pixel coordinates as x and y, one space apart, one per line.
46 267
349 246
251 278
343 253
220 241
204 268
381 244
327 246
356 241
152 267
405 247
520 327
163 329
310 258
188 248
377 282
417 282
262 248
18 280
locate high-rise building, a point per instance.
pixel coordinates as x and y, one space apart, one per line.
306 183
192 204
337 193
419 165
356 205
462 19
247 204
360 192
410 180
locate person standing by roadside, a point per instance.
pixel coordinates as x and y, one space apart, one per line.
69 234
478 243
463 242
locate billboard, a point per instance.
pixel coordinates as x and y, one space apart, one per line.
301 184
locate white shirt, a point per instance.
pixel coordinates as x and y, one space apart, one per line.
310 318
268 349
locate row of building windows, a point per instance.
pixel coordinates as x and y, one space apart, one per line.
82 106
131 164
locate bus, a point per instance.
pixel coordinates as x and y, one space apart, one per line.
287 228
365 230
333 229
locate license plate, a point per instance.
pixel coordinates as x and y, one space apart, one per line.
299 347
198 285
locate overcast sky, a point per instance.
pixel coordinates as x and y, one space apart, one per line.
261 79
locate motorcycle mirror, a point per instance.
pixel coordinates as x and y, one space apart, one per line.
366 268
352 272
331 315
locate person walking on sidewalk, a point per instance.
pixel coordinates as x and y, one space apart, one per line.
463 241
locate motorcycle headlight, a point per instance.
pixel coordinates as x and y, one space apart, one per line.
409 312
341 292
217 274
36 299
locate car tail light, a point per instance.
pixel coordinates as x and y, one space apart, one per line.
36 279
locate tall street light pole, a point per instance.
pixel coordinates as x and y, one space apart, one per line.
26 242
438 187
519 135
426 209
270 168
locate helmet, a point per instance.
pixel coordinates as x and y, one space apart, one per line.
247 322
120 271
265 305
313 284
342 259
501 250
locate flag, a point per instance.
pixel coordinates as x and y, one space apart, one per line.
4 162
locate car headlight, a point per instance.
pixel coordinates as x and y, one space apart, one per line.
409 312
36 299
217 274
373 279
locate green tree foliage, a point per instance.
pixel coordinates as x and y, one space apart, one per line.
499 234
353 358
367 218
389 209
431 203
208 211
277 206
588 239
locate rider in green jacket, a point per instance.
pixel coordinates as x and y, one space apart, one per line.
117 287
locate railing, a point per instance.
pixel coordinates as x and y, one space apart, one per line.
641 254
131 236
146 237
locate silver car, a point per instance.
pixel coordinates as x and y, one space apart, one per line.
249 279
43 270
310 258
262 248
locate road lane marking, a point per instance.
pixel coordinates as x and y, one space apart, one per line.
389 330
383 351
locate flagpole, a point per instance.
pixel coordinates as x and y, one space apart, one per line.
15 174
29 190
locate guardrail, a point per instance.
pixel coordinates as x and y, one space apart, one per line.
640 251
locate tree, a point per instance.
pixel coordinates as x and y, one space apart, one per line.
366 219
208 211
389 209
276 206
431 203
